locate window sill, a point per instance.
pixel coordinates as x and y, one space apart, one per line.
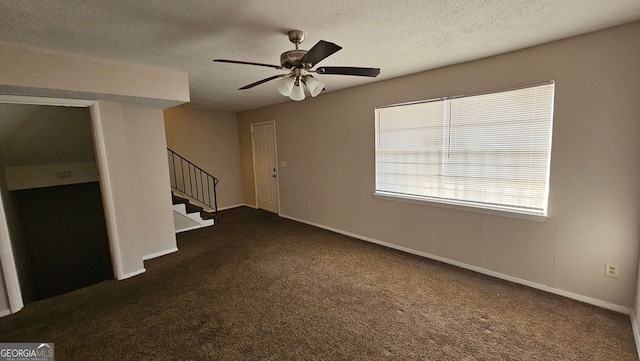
460 207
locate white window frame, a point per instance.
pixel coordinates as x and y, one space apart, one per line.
502 210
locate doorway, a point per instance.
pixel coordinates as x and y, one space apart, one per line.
52 199
265 166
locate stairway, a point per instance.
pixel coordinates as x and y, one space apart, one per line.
193 191
188 215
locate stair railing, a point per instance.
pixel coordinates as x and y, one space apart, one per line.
192 180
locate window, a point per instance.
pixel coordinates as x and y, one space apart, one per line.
490 151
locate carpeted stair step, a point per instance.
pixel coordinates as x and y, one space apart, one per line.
207 215
192 208
178 200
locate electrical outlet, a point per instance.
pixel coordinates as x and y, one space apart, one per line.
611 270
309 205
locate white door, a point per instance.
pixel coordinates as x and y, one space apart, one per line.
265 166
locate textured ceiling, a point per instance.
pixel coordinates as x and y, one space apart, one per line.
400 37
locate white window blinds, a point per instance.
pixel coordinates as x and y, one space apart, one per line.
491 151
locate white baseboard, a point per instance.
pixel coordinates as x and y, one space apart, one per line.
250 206
6 312
161 253
636 335
233 206
187 229
575 296
132 274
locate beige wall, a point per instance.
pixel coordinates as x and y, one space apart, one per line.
594 206
47 175
210 140
27 71
148 167
117 191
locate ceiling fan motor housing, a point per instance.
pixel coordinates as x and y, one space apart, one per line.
291 59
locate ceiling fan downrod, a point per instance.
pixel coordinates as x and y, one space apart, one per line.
296 37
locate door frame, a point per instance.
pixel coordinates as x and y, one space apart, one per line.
7 260
253 155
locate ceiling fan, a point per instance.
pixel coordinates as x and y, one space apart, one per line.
299 63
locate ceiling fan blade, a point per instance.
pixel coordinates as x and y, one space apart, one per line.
263 81
247 63
320 51
348 70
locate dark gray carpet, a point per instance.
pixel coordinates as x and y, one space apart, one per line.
260 287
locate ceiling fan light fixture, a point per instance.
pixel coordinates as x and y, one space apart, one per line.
285 85
314 85
299 63
297 93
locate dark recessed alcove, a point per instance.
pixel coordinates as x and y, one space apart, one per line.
65 233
